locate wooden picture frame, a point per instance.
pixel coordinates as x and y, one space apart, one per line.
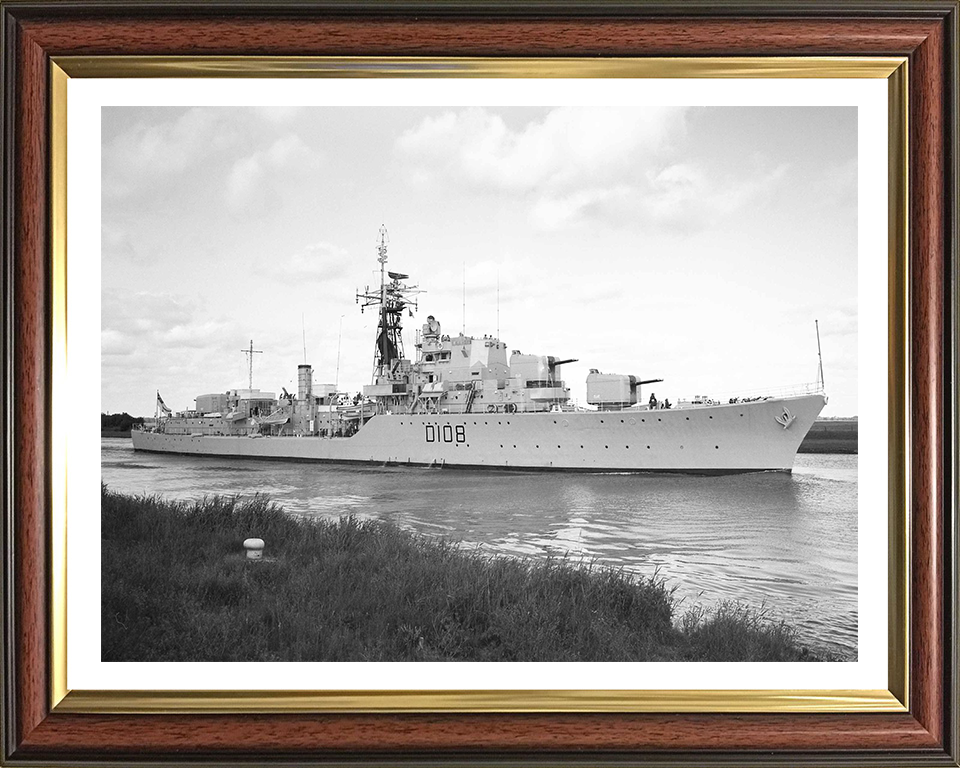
41 727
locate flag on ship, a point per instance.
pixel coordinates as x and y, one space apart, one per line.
162 405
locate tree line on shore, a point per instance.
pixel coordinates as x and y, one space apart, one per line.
119 422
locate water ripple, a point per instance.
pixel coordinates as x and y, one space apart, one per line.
784 542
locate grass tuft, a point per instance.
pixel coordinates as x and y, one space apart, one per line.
176 586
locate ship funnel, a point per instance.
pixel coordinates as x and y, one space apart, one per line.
304 381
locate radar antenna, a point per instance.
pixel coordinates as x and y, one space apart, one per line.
393 297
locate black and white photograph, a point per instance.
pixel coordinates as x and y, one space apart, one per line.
479 383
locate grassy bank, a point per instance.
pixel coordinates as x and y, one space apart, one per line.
176 587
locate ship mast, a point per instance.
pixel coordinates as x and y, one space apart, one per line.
392 298
819 354
250 353
381 351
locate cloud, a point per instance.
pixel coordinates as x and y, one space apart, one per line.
155 152
679 197
316 263
842 321
837 320
258 178
556 212
279 115
143 321
158 340
576 166
563 150
113 343
117 246
838 185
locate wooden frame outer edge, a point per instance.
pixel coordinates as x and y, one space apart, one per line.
8 240
501 9
7 633
896 698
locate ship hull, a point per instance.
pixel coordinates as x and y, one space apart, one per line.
740 437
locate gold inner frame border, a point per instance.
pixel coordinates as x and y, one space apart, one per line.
893 699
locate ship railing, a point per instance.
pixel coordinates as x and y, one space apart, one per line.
751 395
790 390
726 398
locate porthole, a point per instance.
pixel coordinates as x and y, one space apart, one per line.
688 418
717 447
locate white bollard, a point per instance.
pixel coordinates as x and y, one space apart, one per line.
254 548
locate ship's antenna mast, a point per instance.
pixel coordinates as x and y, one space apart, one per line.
819 354
463 326
303 326
498 301
336 385
382 258
250 353
393 298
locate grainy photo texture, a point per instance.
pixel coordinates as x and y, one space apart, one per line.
479 384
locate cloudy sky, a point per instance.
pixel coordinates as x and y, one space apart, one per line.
696 245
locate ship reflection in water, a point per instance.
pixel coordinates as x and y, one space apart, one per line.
787 542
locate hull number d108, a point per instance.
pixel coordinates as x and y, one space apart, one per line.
445 433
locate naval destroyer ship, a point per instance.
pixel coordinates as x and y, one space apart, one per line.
463 402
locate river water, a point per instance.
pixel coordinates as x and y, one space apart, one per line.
784 543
